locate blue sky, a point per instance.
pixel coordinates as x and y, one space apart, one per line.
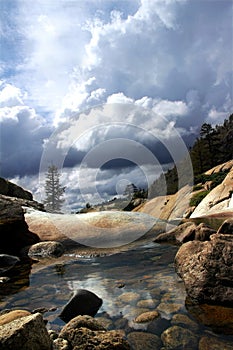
59 58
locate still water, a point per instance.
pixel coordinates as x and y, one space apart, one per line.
130 283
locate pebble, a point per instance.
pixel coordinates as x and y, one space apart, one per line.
148 303
128 297
146 317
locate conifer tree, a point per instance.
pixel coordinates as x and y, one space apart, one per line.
53 190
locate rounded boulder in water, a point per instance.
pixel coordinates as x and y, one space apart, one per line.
83 302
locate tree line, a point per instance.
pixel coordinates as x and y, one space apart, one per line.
213 146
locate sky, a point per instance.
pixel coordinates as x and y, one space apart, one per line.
108 90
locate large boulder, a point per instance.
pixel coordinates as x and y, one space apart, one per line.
14 230
8 188
85 333
219 199
25 333
207 269
178 234
186 232
83 302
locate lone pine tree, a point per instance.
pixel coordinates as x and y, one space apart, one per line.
53 190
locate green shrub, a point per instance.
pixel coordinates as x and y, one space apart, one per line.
197 188
197 198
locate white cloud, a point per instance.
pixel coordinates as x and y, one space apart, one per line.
11 96
172 57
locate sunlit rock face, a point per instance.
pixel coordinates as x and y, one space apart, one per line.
98 229
220 198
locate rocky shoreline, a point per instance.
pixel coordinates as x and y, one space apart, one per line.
203 261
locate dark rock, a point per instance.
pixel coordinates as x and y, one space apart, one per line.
14 230
83 302
83 332
25 333
226 227
8 188
7 262
207 269
44 250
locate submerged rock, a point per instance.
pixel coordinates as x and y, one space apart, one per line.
142 341
177 337
219 318
146 317
213 343
25 333
207 269
83 302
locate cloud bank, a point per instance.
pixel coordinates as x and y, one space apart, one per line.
59 59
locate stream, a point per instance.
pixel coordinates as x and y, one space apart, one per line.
136 280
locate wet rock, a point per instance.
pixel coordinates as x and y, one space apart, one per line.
25 333
184 321
146 317
206 269
14 230
142 341
167 309
83 302
128 297
147 303
106 322
13 315
7 262
84 332
177 337
219 318
213 343
44 250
